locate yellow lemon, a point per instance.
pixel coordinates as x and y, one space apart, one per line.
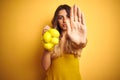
54 32
47 37
48 46
55 40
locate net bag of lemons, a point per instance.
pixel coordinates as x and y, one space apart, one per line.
50 38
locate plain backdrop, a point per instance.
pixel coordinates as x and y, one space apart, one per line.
21 41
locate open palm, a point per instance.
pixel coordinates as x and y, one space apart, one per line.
76 26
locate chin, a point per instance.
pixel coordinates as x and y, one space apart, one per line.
64 29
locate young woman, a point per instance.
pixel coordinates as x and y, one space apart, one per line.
62 63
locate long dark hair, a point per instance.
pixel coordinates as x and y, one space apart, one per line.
55 17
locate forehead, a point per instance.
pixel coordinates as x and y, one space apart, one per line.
62 12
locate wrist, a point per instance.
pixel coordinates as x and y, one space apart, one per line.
47 52
80 45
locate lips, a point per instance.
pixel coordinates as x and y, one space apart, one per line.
64 25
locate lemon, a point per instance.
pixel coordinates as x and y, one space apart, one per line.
47 37
55 40
48 46
54 32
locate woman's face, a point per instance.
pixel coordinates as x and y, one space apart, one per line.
62 18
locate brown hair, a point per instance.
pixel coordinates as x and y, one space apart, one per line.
55 17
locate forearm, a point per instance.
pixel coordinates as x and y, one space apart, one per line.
46 60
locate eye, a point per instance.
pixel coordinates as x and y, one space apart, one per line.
60 17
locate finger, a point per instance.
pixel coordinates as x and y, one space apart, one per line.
83 23
71 18
75 13
46 28
83 19
68 26
71 14
79 14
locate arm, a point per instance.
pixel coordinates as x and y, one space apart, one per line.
46 60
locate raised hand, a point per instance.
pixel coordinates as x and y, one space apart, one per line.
76 26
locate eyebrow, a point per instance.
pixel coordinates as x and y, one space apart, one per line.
62 15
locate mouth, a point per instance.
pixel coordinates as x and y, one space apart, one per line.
64 25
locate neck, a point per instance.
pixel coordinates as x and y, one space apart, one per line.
63 40
63 34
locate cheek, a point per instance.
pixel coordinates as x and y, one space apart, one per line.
60 22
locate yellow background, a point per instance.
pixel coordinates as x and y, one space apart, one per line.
20 38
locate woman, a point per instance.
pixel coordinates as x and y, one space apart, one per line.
62 63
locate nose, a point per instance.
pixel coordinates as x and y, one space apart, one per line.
64 20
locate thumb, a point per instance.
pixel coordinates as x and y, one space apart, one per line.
68 26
